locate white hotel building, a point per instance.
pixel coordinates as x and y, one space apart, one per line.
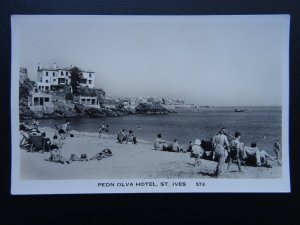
48 78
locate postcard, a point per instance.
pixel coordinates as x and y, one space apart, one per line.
149 104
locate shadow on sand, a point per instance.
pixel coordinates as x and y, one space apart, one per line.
210 174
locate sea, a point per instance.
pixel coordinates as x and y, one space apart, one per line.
258 124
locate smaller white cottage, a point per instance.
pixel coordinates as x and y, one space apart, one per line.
40 101
89 101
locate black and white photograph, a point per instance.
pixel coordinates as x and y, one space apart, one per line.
150 104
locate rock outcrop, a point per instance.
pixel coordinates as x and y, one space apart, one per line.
25 87
149 108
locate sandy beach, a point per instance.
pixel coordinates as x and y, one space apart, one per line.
129 161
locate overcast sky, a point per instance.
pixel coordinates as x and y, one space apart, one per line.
220 61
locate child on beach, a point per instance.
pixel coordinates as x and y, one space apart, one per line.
276 149
196 152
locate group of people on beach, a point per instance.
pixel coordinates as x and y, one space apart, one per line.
124 137
223 147
29 132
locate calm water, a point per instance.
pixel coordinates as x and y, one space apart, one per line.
187 125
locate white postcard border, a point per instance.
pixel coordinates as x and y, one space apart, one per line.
32 187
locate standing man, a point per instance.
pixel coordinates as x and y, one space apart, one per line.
276 149
102 128
220 141
235 151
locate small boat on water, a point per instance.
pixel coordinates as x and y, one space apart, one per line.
240 110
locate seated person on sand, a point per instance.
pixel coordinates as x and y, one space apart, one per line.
56 142
197 151
122 136
26 128
131 138
119 136
47 142
189 148
175 146
35 124
256 157
103 154
55 156
208 149
160 144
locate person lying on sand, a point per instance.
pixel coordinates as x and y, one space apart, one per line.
103 154
196 152
74 157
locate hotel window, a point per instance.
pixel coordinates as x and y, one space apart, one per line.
35 101
53 74
67 73
62 73
90 75
90 82
46 81
93 101
46 73
54 80
46 100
